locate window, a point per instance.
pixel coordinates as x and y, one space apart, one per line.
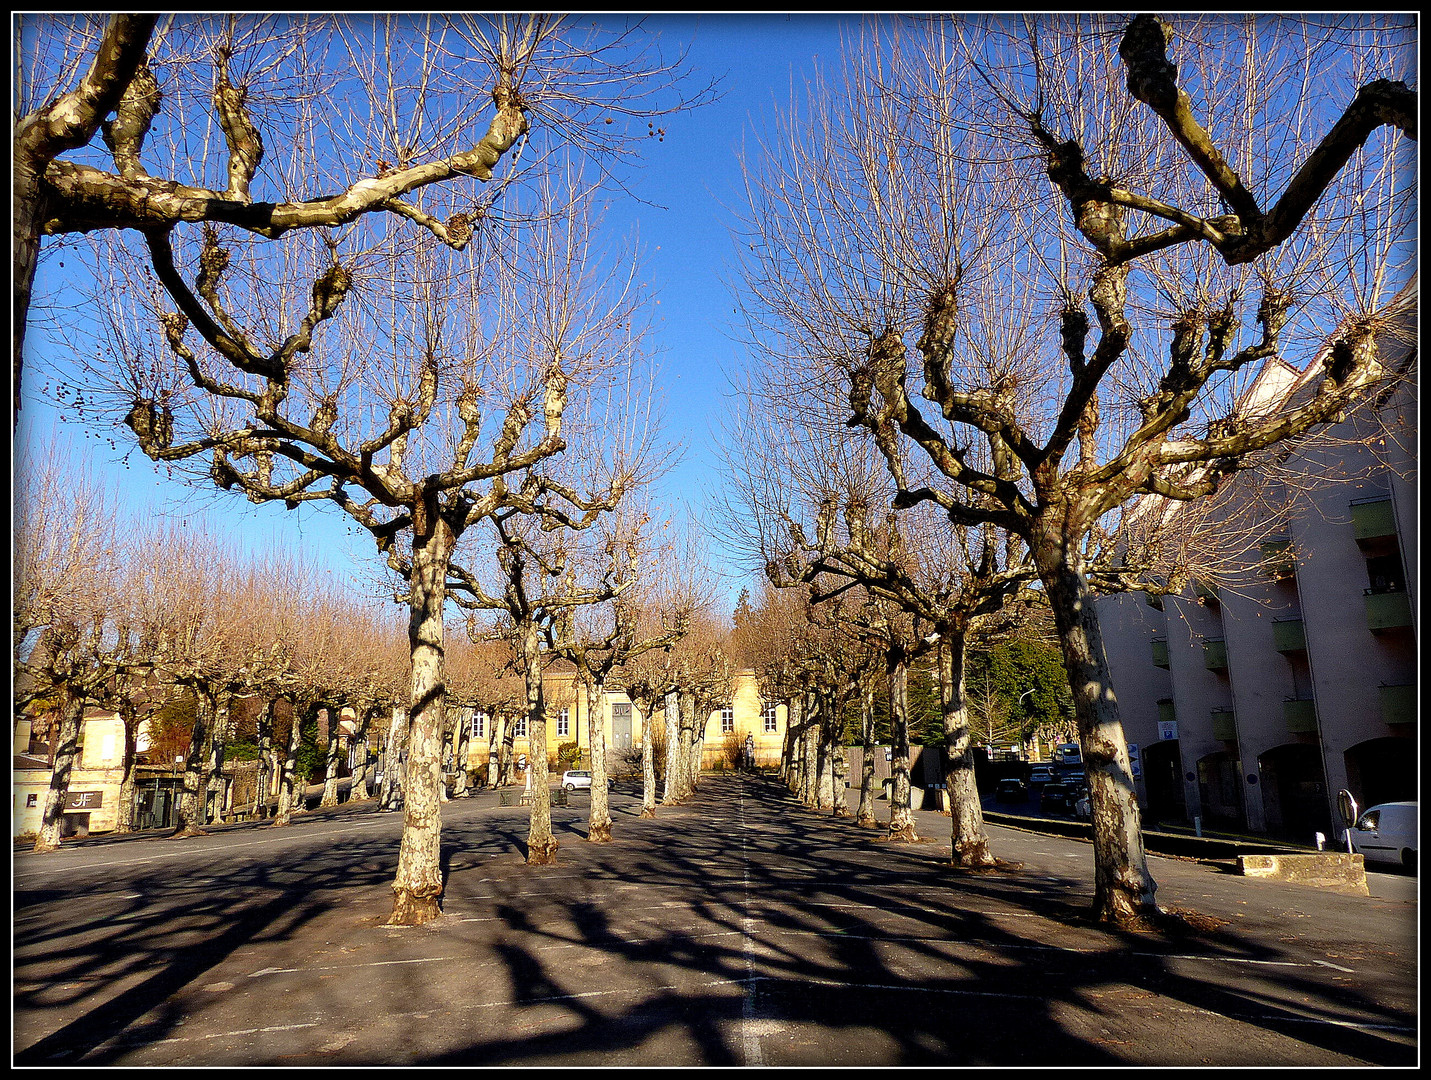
479 725
727 720
563 723
519 730
32 799
768 715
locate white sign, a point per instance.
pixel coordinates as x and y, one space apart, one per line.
1135 761
1167 729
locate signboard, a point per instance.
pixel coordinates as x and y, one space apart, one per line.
1135 761
84 800
1167 729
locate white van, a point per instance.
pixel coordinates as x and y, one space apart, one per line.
1387 834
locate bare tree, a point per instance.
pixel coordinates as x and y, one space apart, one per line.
196 98
953 249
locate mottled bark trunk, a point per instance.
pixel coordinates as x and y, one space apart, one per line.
810 770
541 844
692 743
391 786
190 806
331 758
839 767
52 818
215 787
1123 886
261 779
509 749
284 813
494 749
417 889
675 760
970 842
28 208
795 744
124 814
464 734
901 820
648 766
865 815
599 824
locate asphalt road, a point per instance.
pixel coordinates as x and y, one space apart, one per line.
739 929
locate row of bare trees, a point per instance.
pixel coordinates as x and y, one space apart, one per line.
1032 217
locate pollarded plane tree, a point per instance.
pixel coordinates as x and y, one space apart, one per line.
145 122
1055 243
599 639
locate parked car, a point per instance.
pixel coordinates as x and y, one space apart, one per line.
1386 833
1011 789
1040 775
577 779
1073 775
1056 799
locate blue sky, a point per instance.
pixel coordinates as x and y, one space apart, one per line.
688 188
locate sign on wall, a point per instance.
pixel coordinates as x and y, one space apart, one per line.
1135 761
84 800
1167 729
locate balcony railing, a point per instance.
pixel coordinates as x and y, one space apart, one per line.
1160 653
1224 725
1373 517
1289 635
1387 610
1279 561
1301 715
1398 704
1214 655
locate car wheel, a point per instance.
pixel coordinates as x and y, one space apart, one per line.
571 787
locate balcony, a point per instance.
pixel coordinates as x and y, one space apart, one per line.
1166 713
1279 561
1300 715
1214 655
1387 610
1160 653
1224 725
1206 594
1289 635
1398 704
1373 517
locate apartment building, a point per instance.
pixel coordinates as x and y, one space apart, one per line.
1290 675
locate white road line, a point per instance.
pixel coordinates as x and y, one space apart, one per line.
344 967
750 1041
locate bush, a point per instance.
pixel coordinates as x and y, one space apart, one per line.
568 754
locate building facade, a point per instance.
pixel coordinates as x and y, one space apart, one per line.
1252 700
569 720
93 802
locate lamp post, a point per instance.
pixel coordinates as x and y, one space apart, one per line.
1023 752
174 792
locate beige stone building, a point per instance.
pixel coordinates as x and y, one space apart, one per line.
93 803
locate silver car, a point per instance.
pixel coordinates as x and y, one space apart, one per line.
576 779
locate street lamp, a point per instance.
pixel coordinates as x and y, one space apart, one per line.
174 792
1022 751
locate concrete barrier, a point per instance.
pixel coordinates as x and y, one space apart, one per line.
1323 869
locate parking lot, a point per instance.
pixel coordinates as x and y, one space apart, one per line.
738 929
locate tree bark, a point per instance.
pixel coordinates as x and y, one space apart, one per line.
392 761
1123 886
648 767
66 751
675 760
494 749
865 815
599 825
124 813
463 737
694 744
331 759
541 844
190 806
417 889
261 779
218 746
284 814
901 820
970 842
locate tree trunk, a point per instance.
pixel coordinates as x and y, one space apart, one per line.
190 805
290 760
599 826
124 813
648 767
541 844
839 767
970 842
494 749
509 749
463 736
331 759
810 770
692 732
392 757
417 888
261 781
901 820
865 815
66 751
214 785
1123 886
674 758
795 743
